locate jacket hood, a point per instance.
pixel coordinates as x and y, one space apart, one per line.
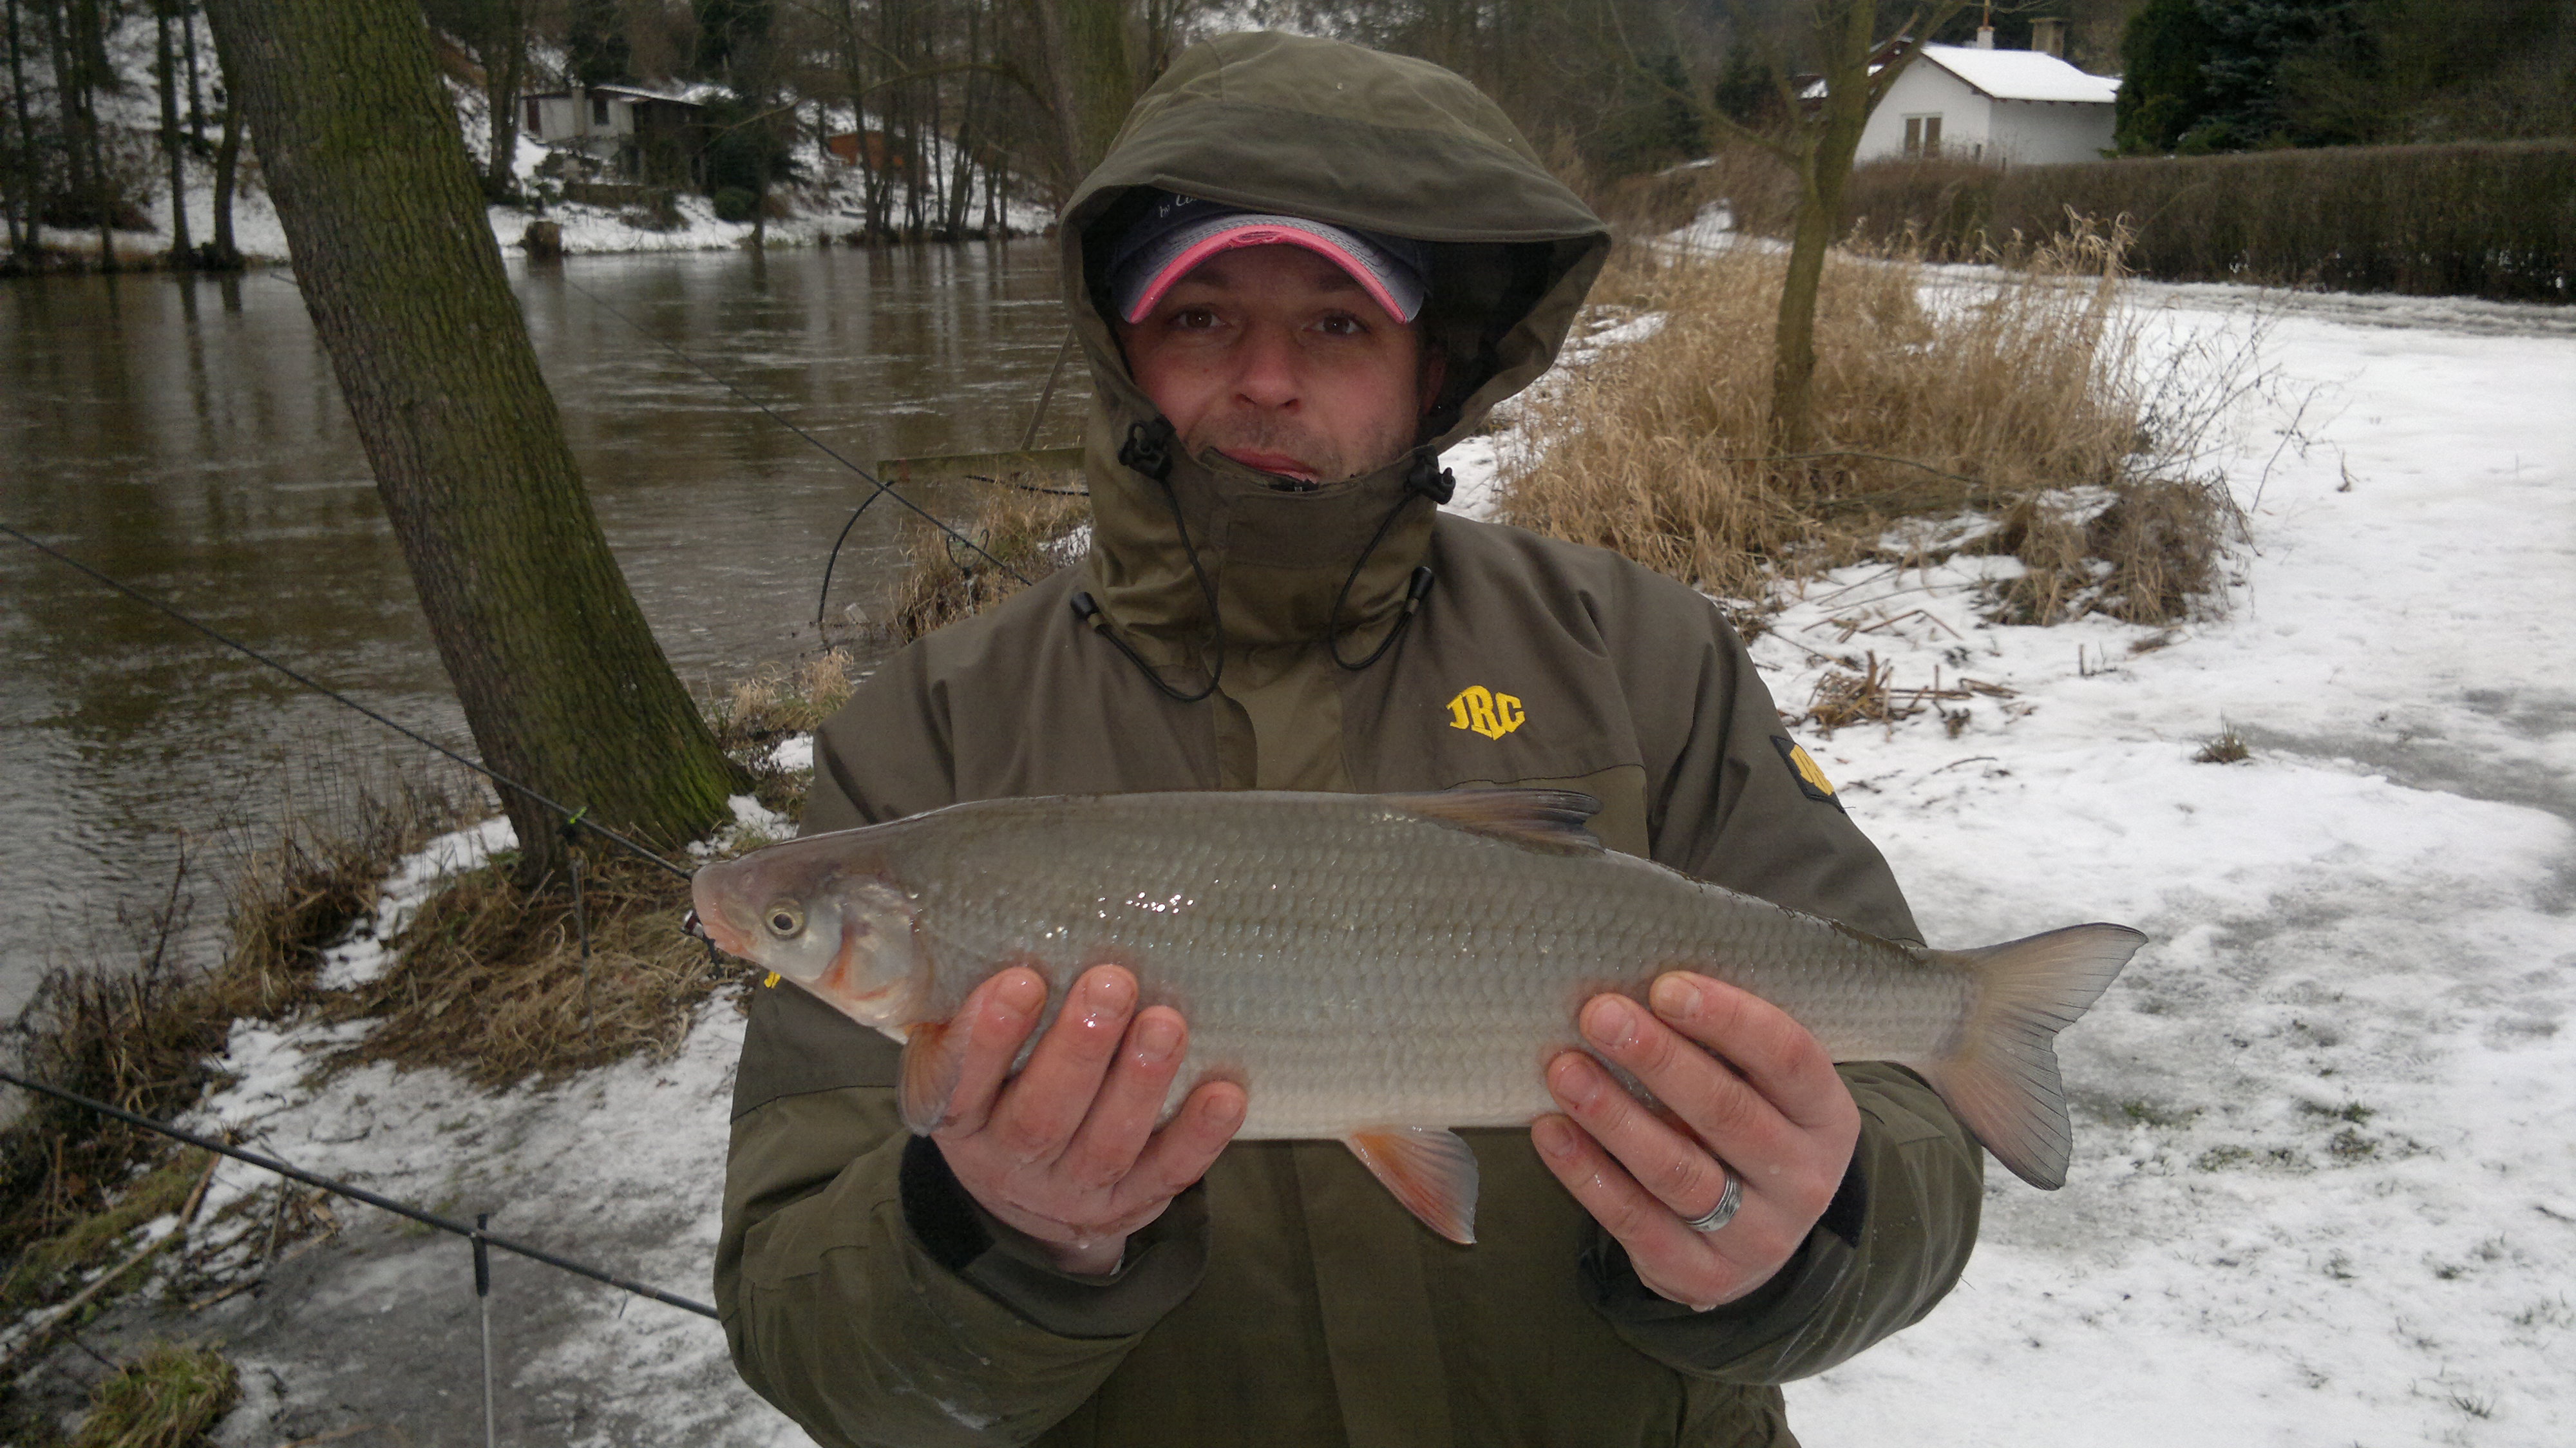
1336 133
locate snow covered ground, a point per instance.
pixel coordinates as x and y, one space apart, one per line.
2325 1182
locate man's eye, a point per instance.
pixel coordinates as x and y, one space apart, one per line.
1193 319
1342 324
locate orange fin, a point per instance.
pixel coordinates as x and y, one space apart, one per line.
930 1068
1552 820
1430 1170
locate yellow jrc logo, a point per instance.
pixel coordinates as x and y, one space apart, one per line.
1488 713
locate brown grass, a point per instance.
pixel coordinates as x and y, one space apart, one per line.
754 714
488 979
2017 399
944 581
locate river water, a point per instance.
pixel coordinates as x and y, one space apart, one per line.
185 435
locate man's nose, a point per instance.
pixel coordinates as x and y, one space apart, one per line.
1266 367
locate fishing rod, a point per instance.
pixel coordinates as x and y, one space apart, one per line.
358 1194
573 818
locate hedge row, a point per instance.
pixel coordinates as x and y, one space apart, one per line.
2489 219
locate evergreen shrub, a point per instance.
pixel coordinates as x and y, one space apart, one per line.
2482 218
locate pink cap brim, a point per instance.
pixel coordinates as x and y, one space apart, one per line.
1267 232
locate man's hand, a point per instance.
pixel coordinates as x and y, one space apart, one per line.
1766 1106
1066 1151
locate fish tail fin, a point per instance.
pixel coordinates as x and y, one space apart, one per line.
2003 1079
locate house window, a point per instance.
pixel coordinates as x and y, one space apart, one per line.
1922 135
599 110
536 117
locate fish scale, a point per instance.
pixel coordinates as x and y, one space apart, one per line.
1379 968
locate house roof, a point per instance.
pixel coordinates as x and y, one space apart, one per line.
2022 75
692 95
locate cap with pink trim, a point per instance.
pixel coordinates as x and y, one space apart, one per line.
1183 231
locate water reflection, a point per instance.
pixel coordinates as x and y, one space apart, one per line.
185 434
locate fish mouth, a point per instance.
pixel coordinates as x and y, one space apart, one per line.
708 921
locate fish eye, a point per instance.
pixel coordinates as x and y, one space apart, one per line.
784 919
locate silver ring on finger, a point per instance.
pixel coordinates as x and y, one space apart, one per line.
1728 1201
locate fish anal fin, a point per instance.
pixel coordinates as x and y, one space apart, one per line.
2003 1080
1430 1170
1553 820
931 1065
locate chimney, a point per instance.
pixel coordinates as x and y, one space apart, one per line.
1985 37
2048 34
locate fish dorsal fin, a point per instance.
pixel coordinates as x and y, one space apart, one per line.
1430 1170
1553 820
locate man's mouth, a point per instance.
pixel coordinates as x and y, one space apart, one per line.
1271 462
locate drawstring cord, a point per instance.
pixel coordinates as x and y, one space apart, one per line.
1148 450
1429 480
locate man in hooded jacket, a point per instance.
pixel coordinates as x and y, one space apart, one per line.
1232 628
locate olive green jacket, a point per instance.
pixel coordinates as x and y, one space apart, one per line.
1288 1299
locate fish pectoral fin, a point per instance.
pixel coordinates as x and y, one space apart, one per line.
931 1064
1552 820
1430 1170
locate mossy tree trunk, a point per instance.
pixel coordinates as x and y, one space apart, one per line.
562 683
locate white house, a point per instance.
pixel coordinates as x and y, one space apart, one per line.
2001 106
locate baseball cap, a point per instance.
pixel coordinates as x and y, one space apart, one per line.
1182 231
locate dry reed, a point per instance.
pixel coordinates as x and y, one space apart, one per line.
943 581
755 714
488 982
2016 398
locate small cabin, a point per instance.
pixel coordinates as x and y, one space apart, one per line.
2004 107
620 132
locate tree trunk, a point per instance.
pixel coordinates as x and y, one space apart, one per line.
502 77
166 63
1828 140
31 172
58 42
1093 76
561 680
227 153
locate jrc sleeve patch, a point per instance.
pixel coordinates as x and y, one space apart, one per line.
1811 780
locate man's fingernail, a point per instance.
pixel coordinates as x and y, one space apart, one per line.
1675 999
1021 994
1225 1113
1611 1022
1572 1080
1157 1037
1109 992
1553 1136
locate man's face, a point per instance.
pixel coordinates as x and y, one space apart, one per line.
1273 356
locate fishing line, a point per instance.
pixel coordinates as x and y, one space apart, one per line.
572 817
359 1194
882 488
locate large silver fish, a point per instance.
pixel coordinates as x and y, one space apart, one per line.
1379 968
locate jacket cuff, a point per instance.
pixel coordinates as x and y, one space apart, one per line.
1887 1248
1164 1260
